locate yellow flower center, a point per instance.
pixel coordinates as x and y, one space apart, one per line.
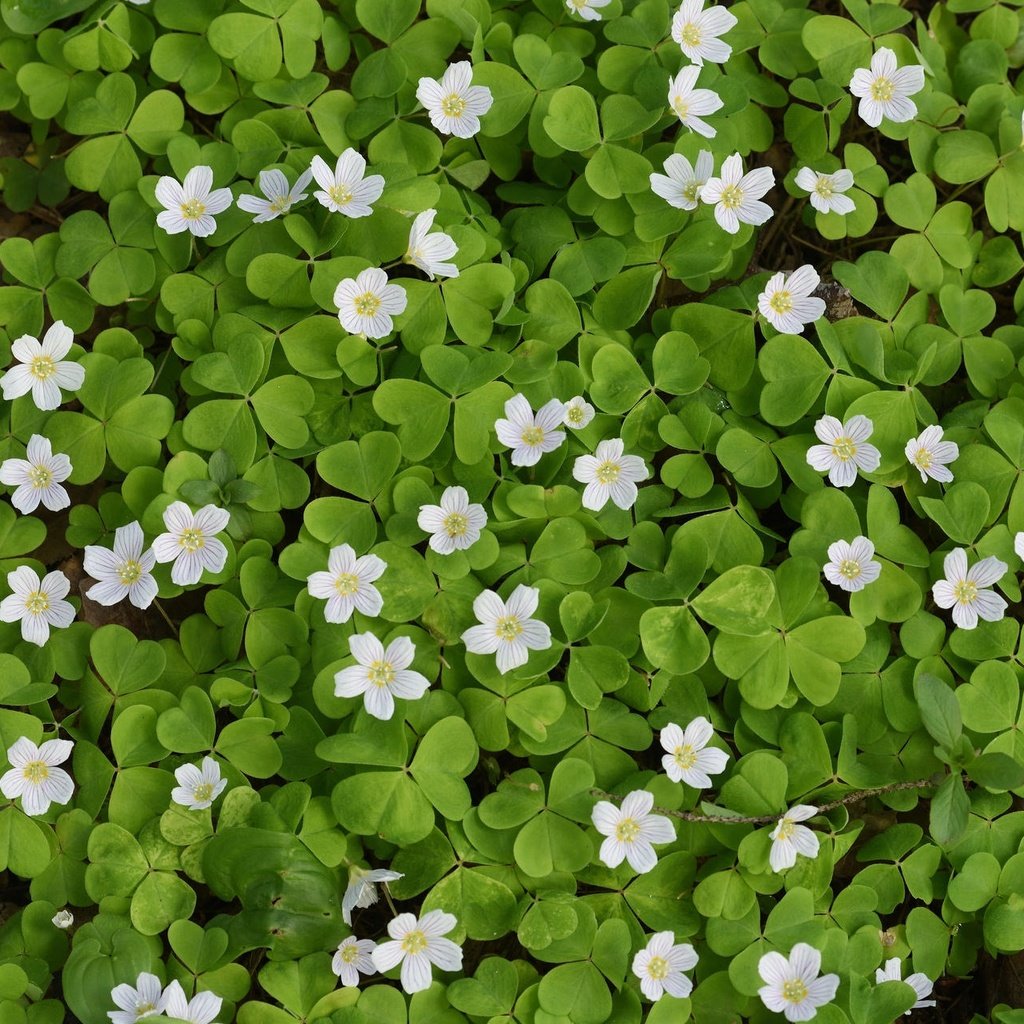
36 603
690 34
824 188
681 107
204 791
781 302
508 627
786 829
685 756
882 90
414 942
40 477
574 414
607 472
692 191
350 953
794 991
965 592
732 197
340 194
627 830
849 568
192 539
142 1009
844 448
36 772
193 209
128 572
346 584
456 524
366 304
42 367
657 967
533 435
923 458
380 673
453 105
281 204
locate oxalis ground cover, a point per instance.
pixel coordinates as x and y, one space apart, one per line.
512 512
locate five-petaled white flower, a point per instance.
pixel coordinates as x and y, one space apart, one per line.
966 590
929 455
630 831
530 436
197 789
884 89
366 303
63 919
844 449
353 957
145 999
920 983
849 564
347 585
788 304
41 368
788 838
681 184
736 196
506 629
37 477
455 105
827 189
454 524
416 944
191 206
362 888
585 8
792 986
279 197
578 413
35 777
609 474
660 965
127 571
37 603
692 105
345 189
191 542
697 31
689 758
428 252
200 1009
381 674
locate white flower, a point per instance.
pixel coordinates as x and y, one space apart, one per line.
530 436
37 603
965 591
585 8
1018 545
146 999
197 789
630 831
788 838
920 983
454 104
416 945
191 205
736 196
352 959
849 564
697 31
34 776
201 1009
127 571
279 198
345 189
63 919
845 449
827 189
362 888
38 477
787 303
692 105
428 252
681 184
191 542
507 629
367 303
929 454
455 524
41 371
381 675
793 987
578 413
347 585
660 966
885 88
609 474
689 758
